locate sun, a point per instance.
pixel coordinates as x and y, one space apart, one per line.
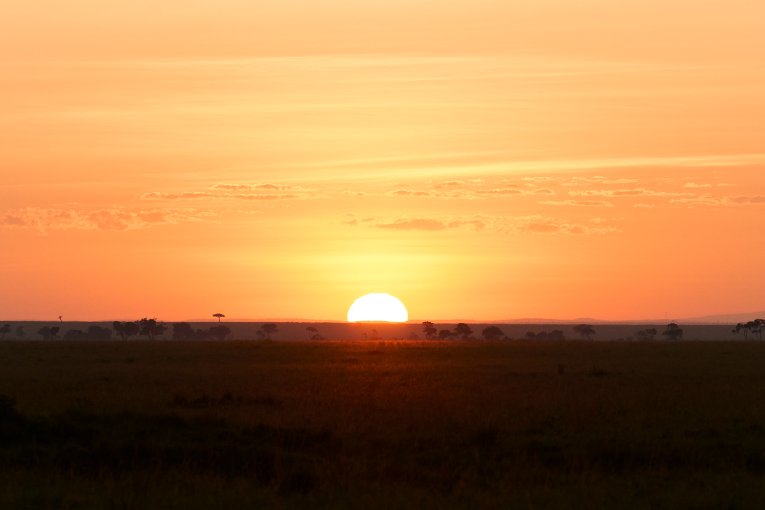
378 307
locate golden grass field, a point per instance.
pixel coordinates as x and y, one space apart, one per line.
368 424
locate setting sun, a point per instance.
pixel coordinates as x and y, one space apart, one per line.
378 307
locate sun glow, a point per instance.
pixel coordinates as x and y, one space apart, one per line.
377 307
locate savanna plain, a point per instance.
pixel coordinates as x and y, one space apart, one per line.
382 424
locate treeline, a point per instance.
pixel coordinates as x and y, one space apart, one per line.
464 332
147 328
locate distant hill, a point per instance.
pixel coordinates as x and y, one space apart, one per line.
732 318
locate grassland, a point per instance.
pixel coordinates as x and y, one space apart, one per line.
382 424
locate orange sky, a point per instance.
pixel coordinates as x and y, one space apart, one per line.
481 160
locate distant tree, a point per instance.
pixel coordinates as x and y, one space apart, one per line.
463 331
445 334
219 316
673 331
125 329
313 333
20 332
117 326
556 335
74 334
183 331
492 333
429 330
219 332
4 330
755 327
48 333
647 334
759 326
530 335
98 333
584 330
151 328
268 329
132 329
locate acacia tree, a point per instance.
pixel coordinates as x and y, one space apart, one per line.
219 332
266 330
445 334
647 334
219 316
313 333
125 329
429 329
492 333
151 328
673 331
584 330
183 331
755 327
463 331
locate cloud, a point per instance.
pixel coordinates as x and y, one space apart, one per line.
757 199
597 179
578 203
257 187
542 225
628 192
242 191
47 219
414 224
409 193
161 195
418 223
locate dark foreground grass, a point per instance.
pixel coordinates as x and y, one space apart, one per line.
382 425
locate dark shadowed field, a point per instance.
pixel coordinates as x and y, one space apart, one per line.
511 424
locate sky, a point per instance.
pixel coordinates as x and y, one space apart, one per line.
478 159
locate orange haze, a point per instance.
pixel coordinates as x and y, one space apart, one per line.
477 159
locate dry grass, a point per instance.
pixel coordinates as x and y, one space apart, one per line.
380 424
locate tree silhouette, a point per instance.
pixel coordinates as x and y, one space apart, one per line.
266 330
556 334
125 329
755 327
74 334
151 328
647 334
673 331
492 333
4 330
584 330
98 333
313 333
219 316
219 332
463 330
429 329
444 334
183 331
